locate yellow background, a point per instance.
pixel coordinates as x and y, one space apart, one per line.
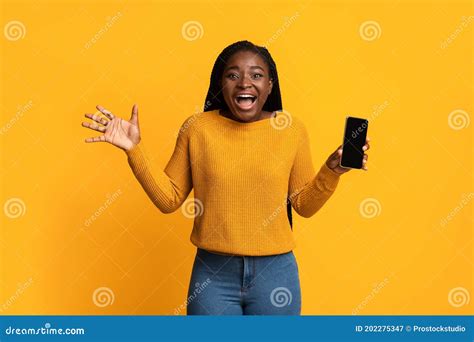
407 81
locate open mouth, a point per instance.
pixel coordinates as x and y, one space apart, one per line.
245 101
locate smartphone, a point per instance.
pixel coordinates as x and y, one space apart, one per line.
355 134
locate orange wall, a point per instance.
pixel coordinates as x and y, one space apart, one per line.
406 73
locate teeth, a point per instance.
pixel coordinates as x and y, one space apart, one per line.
246 96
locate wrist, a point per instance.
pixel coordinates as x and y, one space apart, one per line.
130 148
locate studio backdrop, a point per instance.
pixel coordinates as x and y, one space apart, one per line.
80 236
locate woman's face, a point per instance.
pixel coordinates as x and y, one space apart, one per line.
246 85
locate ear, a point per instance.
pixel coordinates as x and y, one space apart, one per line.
270 86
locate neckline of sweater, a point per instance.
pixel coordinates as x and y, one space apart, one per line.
267 122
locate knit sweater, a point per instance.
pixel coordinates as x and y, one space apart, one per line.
242 174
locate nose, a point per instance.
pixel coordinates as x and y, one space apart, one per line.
244 82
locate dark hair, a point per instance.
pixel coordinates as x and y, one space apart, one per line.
215 99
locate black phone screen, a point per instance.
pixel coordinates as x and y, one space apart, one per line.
354 139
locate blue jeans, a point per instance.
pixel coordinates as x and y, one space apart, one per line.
244 285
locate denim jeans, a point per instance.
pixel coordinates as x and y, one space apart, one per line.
244 285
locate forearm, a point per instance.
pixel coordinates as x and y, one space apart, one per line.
160 188
313 195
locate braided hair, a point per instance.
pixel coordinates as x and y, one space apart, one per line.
215 99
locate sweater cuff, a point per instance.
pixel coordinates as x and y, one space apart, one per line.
134 151
329 177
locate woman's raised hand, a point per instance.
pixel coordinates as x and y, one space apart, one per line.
117 131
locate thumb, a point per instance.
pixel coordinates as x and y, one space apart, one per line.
134 117
337 153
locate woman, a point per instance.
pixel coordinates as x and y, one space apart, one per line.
246 161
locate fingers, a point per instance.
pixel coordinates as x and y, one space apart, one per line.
106 112
364 162
366 146
366 157
134 117
97 118
100 138
94 127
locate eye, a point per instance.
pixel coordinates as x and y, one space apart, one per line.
232 76
257 76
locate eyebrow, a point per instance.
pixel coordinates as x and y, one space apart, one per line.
252 67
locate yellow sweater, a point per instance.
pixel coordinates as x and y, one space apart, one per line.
242 174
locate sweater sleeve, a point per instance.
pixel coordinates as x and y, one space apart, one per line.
308 192
167 189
